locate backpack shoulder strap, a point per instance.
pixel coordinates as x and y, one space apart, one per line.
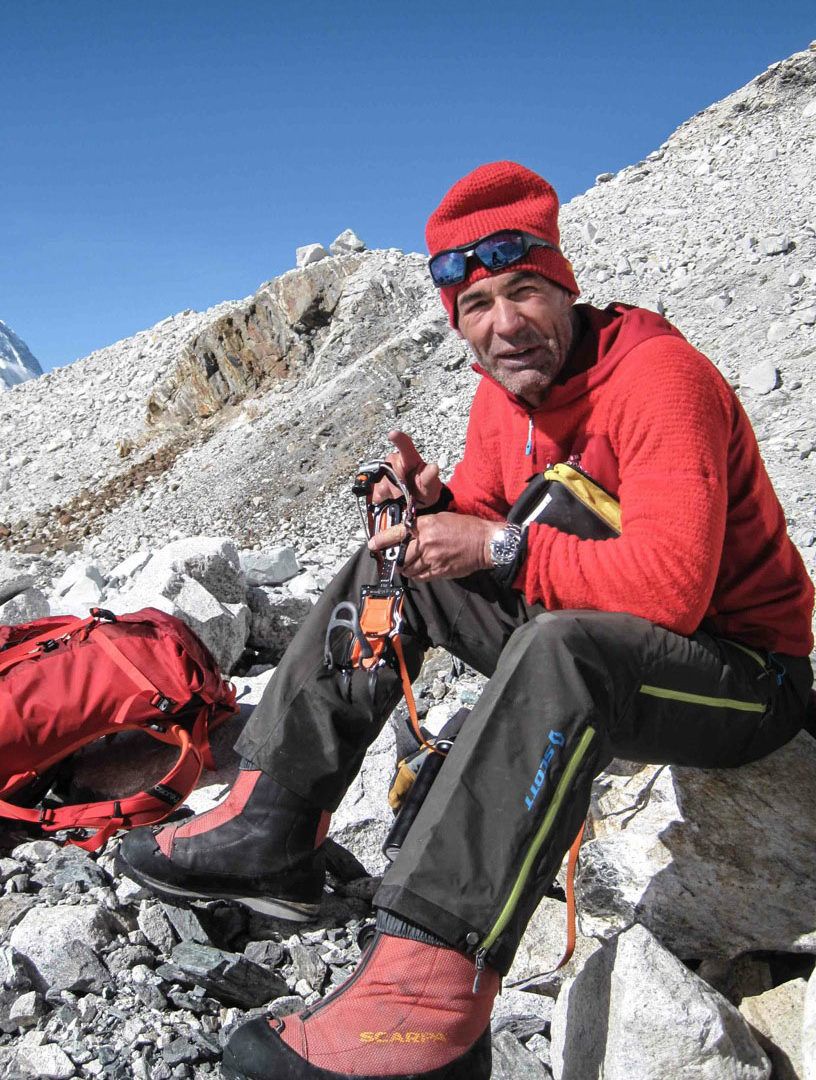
105 817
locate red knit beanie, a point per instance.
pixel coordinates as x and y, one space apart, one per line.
501 195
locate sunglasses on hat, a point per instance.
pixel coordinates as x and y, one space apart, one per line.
494 252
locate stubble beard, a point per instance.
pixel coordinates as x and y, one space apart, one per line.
533 383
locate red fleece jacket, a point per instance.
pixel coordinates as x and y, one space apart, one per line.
649 417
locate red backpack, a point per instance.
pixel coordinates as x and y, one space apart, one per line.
65 682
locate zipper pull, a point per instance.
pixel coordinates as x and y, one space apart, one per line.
528 449
480 966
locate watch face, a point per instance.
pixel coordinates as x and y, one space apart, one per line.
504 547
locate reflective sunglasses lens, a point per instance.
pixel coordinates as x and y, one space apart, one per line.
499 251
448 268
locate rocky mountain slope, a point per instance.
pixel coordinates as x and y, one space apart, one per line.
17 362
245 423
248 419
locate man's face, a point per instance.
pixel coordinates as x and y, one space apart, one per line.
519 326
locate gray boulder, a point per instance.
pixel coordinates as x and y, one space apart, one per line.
809 1030
223 627
198 579
762 377
364 817
636 1011
230 977
156 927
26 606
542 947
130 566
12 584
347 243
76 574
308 254
46 1062
60 945
274 619
85 593
690 852
512 1061
212 561
777 1017
27 1009
270 567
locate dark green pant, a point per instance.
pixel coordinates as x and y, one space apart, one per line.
568 691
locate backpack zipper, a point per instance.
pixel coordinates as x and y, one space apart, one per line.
541 835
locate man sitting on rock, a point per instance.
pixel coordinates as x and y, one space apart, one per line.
683 639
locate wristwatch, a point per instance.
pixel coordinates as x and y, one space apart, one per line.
505 544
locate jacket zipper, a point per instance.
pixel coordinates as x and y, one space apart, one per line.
541 835
528 449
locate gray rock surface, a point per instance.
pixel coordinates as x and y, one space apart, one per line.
270 567
512 1061
222 626
229 977
60 944
777 1018
27 1009
48 1062
12 585
308 254
347 243
26 606
690 854
542 947
762 377
636 1011
809 1030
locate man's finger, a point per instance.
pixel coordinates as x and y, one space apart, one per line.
383 491
411 457
427 483
387 538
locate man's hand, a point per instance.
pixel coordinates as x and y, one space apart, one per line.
421 479
444 546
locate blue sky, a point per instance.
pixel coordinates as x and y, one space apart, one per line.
165 155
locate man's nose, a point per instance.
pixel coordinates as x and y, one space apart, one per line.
507 317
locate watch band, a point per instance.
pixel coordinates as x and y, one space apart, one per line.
505 544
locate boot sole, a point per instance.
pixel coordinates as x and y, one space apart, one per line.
290 910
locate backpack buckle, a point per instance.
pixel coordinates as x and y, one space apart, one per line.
46 816
162 703
103 615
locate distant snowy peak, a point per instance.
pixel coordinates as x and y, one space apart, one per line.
17 362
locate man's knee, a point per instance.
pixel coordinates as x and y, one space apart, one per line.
580 629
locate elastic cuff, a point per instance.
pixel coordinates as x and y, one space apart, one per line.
396 926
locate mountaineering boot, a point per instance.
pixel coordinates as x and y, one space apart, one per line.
408 1011
262 846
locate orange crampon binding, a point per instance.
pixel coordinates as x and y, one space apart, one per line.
374 625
